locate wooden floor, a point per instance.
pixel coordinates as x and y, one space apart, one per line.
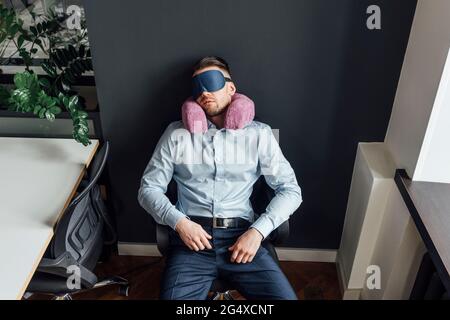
310 280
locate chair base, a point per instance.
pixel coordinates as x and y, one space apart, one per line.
124 288
222 296
66 296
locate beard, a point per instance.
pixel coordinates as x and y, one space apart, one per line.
212 112
214 109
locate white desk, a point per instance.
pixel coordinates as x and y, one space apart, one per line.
38 178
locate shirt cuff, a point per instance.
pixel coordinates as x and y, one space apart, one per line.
263 225
174 217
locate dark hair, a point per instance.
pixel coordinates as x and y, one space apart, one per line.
212 61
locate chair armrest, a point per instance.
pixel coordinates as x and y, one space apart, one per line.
280 234
59 266
162 238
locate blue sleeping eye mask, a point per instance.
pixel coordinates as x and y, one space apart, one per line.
210 81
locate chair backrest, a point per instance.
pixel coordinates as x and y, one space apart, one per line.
261 196
94 172
79 230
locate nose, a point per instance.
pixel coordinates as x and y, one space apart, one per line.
206 94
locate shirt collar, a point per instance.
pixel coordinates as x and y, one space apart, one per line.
210 124
213 126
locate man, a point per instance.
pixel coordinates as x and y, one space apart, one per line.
214 193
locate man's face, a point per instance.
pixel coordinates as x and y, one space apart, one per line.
215 103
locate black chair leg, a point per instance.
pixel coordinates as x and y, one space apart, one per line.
227 295
222 296
66 296
124 286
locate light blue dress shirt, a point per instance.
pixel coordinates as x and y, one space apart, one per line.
215 173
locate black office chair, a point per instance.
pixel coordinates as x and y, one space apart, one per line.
260 198
78 241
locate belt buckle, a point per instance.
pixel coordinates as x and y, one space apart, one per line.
217 226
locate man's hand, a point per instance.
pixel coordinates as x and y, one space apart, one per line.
246 246
193 235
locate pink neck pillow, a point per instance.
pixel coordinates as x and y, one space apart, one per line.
240 112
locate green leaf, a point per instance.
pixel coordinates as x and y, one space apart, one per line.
81 66
73 102
25 56
75 68
3 36
50 102
61 57
73 52
27 80
82 138
59 63
13 29
82 114
49 69
44 82
86 65
41 113
66 102
34 30
66 55
9 19
55 110
20 80
38 42
50 116
45 25
23 79
69 76
37 108
81 51
65 84
20 40
82 129
22 99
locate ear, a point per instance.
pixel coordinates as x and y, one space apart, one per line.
193 116
231 88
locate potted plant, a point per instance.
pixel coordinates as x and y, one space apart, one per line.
68 57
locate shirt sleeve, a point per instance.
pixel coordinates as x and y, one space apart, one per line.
280 176
154 182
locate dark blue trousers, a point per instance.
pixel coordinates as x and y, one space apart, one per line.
189 274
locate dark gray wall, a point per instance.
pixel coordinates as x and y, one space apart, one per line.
312 67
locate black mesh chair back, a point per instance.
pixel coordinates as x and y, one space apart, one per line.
79 231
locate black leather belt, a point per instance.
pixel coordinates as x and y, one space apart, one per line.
221 223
